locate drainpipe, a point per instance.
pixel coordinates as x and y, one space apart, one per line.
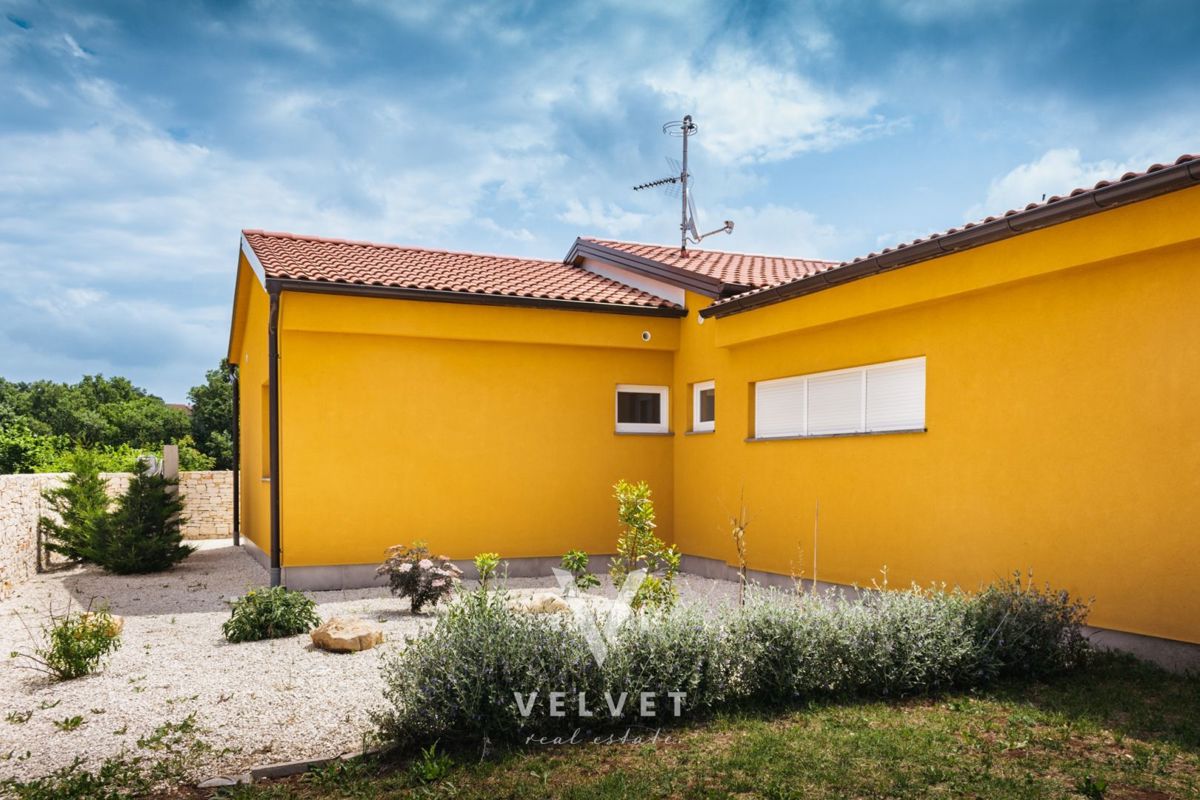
273 390
237 453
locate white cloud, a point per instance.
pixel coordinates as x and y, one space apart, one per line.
751 112
1057 172
597 217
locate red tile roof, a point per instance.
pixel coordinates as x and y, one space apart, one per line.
1105 194
742 269
287 256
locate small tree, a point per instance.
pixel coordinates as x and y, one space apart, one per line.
639 548
80 505
144 533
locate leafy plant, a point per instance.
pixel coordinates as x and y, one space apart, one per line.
79 506
144 533
639 548
76 644
18 717
1092 788
270 614
1025 630
576 563
69 723
412 573
486 565
431 766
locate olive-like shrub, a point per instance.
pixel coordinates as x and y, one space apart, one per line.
487 670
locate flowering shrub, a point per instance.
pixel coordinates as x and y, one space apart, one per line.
76 643
412 573
461 681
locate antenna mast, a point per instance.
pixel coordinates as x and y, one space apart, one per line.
684 129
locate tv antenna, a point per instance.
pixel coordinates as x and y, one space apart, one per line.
684 129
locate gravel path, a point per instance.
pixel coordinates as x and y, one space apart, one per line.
263 702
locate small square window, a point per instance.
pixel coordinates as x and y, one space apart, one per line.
641 409
704 406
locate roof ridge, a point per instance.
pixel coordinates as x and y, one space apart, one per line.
598 240
389 246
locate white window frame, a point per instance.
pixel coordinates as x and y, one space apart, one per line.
699 426
801 383
664 409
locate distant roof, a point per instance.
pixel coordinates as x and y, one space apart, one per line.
1131 187
337 264
738 269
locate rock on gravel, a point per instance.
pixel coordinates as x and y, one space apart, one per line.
347 635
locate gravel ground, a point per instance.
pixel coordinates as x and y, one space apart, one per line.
263 702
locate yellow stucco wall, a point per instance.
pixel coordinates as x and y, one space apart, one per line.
249 351
473 428
1063 416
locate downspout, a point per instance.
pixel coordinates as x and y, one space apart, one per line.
237 453
273 384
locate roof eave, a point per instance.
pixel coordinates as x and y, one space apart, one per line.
676 276
470 298
1143 187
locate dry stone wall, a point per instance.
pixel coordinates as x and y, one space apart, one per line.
207 498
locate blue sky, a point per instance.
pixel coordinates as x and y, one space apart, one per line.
139 138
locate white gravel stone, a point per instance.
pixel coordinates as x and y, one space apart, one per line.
271 701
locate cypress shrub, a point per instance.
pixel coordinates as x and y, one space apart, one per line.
80 506
144 533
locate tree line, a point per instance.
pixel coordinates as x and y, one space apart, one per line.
43 423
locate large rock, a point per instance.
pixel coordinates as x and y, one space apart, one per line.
115 626
347 635
538 602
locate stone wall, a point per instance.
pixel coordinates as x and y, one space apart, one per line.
207 498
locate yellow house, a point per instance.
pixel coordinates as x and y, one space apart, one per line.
1021 393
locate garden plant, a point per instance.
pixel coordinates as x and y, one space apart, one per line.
422 578
639 548
270 614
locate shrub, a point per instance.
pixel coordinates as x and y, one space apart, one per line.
460 682
80 506
1026 631
486 565
144 533
639 548
270 614
412 573
576 563
76 643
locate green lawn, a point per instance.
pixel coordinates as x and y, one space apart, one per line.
1119 730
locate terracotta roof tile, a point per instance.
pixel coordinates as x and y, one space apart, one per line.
743 269
1128 176
309 258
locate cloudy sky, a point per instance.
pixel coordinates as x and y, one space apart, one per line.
137 139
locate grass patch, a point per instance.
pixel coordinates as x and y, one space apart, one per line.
1120 729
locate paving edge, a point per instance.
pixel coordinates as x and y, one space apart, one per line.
284 769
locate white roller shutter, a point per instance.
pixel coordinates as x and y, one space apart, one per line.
779 408
835 402
896 396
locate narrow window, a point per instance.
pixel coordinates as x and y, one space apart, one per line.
704 408
641 409
870 399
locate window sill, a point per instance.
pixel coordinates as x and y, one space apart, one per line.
753 439
645 433
698 433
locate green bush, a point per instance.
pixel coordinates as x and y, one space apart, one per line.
79 506
576 563
270 614
486 564
76 644
461 681
144 533
1025 631
414 574
638 548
